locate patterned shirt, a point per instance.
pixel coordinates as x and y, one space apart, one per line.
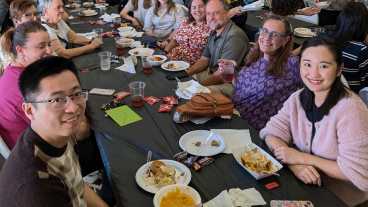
190 42
337 5
163 24
258 97
39 174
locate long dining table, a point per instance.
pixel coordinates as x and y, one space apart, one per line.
124 149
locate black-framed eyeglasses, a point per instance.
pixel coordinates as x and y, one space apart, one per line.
61 102
30 15
274 35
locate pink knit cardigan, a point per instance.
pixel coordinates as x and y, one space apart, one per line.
341 136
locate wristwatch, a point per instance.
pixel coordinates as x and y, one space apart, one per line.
91 40
168 40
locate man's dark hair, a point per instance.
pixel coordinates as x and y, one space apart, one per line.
29 80
338 91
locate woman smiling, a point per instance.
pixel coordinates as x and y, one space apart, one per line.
328 124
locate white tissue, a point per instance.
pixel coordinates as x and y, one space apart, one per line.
108 18
237 197
129 65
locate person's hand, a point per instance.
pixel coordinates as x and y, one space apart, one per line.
307 174
222 62
96 43
198 205
310 11
288 155
136 24
316 1
238 12
163 44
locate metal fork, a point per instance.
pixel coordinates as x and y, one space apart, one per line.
205 144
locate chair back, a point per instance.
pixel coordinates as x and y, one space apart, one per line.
4 150
185 10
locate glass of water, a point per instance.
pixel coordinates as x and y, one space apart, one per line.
105 60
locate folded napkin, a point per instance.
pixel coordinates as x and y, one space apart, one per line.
234 138
108 18
256 4
237 197
88 35
192 87
129 65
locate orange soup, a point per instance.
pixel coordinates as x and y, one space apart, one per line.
176 199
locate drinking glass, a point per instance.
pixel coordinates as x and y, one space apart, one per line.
120 45
105 60
228 72
99 32
137 91
147 65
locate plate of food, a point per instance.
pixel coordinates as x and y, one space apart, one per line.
141 51
174 195
323 4
87 4
192 141
175 65
158 174
303 32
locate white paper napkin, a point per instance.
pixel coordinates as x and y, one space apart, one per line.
237 197
234 138
108 18
256 4
137 44
201 119
139 34
88 35
190 88
129 65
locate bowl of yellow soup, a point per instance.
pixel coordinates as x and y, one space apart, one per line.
176 196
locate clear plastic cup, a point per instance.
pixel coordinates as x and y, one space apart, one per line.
99 32
120 49
318 31
105 60
117 22
82 15
103 10
147 64
137 93
228 72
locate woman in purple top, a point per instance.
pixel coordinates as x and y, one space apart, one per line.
29 42
270 76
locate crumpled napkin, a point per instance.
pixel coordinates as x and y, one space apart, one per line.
234 138
108 18
136 44
237 197
256 4
139 34
129 65
190 88
88 35
133 33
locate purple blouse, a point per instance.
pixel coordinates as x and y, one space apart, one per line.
258 97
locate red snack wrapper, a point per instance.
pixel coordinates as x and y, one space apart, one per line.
205 161
122 94
165 108
165 99
99 22
196 166
189 161
173 102
151 100
271 185
180 156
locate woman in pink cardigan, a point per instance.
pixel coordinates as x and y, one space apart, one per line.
328 124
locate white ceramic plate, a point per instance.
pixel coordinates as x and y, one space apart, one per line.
177 166
304 35
188 140
251 9
91 14
183 189
141 51
182 65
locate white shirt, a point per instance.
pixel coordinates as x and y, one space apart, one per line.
141 12
62 30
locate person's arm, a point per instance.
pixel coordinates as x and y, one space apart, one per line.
170 46
125 14
77 39
92 199
165 43
148 25
296 52
69 53
84 129
310 11
199 66
235 11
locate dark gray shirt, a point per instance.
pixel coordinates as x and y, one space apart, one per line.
231 44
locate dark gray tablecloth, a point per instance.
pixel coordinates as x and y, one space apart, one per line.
124 149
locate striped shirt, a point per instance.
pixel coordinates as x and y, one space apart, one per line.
355 69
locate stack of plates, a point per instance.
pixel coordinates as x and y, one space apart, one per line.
303 32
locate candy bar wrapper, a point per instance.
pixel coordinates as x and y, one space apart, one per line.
165 99
196 166
113 104
189 161
281 203
151 100
122 94
165 108
205 161
180 156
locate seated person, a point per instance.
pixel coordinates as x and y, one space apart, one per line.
21 11
226 41
285 8
162 20
191 38
139 9
328 16
350 32
270 76
29 42
328 124
46 154
60 33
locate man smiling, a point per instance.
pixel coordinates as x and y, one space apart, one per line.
43 167
226 41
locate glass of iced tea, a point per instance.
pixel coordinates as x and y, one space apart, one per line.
120 44
147 64
82 15
117 22
137 91
228 72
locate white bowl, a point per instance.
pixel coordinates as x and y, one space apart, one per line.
183 189
157 63
87 4
127 44
89 11
124 29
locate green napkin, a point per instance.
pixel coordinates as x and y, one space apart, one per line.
123 115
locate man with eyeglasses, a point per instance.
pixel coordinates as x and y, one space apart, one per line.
43 167
225 41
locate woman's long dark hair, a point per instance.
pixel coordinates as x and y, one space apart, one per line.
338 91
352 24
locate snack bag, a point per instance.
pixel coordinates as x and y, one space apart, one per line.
122 94
151 100
165 108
